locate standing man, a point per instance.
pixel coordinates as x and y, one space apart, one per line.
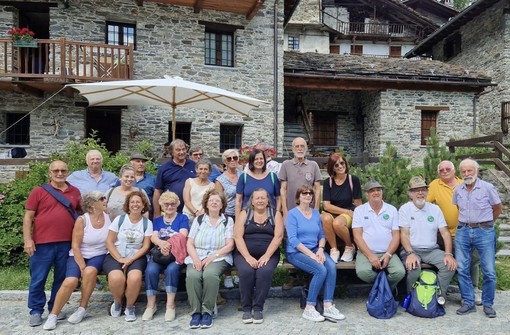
441 193
377 235
173 174
143 180
479 207
297 172
420 221
93 178
47 232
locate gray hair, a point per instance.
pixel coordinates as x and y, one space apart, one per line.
203 162
176 142
228 152
471 162
93 151
89 198
450 163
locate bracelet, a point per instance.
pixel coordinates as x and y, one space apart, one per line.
195 213
321 247
448 253
388 254
410 252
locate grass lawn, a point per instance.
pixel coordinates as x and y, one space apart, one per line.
18 278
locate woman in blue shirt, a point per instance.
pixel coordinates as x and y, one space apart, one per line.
305 250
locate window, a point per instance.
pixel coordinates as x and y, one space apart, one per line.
356 50
182 131
428 120
18 128
230 137
452 46
118 33
395 51
293 42
324 128
219 48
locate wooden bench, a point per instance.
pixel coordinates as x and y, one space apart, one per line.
344 266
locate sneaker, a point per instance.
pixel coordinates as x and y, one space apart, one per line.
333 313
77 316
228 283
169 314
478 297
206 321
258 317
149 313
312 315
489 311
247 317
465 309
236 280
334 254
35 320
61 316
196 318
115 309
51 322
130 313
348 254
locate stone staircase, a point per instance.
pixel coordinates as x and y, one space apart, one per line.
502 183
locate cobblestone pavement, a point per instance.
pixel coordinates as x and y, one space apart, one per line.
281 316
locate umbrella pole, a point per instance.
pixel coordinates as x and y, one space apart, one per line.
174 125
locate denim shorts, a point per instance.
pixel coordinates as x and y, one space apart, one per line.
73 270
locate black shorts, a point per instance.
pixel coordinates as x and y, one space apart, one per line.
111 264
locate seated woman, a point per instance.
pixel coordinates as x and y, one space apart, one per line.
341 193
209 246
116 196
195 188
85 258
305 250
170 232
258 232
128 241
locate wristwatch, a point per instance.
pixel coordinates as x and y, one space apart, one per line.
410 252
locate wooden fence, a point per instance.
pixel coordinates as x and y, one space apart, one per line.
500 155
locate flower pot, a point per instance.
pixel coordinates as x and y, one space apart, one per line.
25 44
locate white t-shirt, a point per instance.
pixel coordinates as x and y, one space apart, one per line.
130 235
377 228
423 223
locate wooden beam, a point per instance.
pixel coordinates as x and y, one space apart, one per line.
199 5
253 11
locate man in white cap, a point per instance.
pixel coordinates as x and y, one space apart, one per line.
419 223
377 235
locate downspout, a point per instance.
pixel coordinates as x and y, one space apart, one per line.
475 98
275 75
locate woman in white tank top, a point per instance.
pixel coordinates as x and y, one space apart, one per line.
195 188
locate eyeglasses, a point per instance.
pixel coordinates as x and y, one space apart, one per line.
57 171
230 159
197 154
307 193
337 165
103 198
445 170
170 204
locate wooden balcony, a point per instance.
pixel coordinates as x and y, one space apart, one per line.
52 63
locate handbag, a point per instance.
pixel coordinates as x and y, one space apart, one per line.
161 259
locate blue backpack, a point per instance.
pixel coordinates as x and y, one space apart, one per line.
380 303
424 295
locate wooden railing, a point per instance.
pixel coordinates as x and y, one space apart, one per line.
66 61
500 156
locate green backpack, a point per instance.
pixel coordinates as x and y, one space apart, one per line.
424 296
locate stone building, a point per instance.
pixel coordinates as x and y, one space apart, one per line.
478 39
360 93
227 44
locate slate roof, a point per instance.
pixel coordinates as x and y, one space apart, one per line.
360 67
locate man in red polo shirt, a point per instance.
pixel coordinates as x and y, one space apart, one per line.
47 232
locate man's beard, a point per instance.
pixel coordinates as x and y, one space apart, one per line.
469 180
419 203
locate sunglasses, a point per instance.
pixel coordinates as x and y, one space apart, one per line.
230 159
57 171
337 165
170 204
307 193
197 154
445 170
103 198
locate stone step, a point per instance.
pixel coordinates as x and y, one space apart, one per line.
504 239
503 253
504 227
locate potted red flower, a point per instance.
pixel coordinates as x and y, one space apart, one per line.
22 37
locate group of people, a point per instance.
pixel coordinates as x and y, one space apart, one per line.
208 224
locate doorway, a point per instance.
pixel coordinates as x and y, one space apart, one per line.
105 122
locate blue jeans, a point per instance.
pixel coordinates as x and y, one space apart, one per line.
484 241
152 272
45 256
323 275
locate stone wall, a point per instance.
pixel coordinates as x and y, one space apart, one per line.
485 48
170 41
308 11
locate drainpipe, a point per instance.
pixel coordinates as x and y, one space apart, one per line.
475 98
275 79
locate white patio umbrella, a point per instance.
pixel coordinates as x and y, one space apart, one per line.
170 91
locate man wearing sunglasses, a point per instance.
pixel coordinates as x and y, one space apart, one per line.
441 193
